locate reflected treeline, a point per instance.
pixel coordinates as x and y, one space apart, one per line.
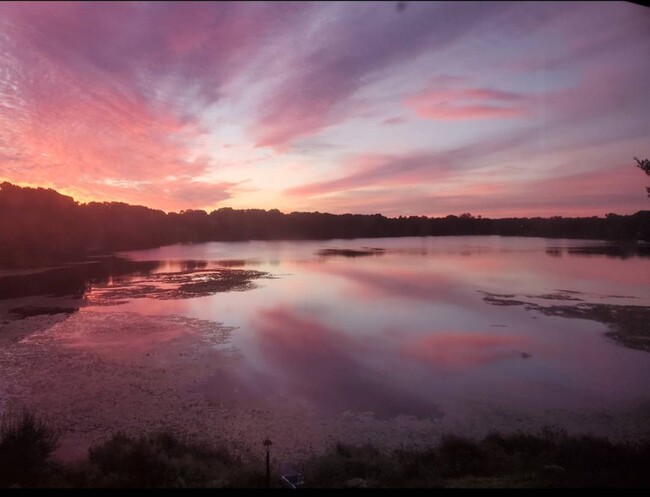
335 252
192 265
616 251
75 279
115 279
234 263
40 226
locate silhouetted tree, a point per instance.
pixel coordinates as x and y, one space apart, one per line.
645 166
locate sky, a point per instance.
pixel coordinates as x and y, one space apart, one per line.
400 108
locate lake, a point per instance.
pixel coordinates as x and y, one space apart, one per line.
394 341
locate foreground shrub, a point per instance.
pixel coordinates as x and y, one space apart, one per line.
550 458
26 442
162 460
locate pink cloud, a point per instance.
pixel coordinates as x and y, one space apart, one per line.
618 188
466 103
92 95
377 170
184 194
170 195
609 189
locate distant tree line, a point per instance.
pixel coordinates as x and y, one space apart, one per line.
40 226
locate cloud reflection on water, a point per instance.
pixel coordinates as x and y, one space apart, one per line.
325 365
457 351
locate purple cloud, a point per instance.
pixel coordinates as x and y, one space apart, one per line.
368 38
393 121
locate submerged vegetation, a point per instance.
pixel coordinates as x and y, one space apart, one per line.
183 285
628 324
73 231
550 458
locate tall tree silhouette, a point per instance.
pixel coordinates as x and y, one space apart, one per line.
645 165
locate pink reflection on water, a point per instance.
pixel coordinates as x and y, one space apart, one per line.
377 333
128 336
456 351
378 281
450 277
606 273
326 366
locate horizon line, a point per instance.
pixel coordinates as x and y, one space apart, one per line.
472 216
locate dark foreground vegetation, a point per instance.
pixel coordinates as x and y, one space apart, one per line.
550 458
40 226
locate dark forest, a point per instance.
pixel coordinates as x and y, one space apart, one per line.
40 226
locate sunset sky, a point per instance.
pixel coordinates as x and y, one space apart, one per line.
413 108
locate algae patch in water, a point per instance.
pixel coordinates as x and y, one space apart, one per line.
184 285
628 324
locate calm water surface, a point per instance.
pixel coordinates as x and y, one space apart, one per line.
406 330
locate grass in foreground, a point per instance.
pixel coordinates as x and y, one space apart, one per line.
550 458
